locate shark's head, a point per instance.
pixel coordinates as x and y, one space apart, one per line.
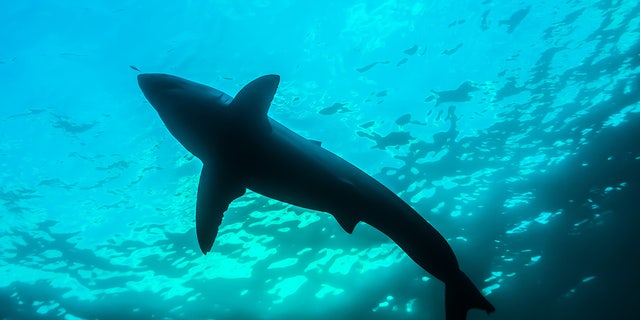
167 92
200 116
194 113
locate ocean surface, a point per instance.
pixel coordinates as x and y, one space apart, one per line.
511 126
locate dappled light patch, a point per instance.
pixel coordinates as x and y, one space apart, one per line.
513 128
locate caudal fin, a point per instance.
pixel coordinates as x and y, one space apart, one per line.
461 295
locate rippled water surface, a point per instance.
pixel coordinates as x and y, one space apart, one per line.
512 126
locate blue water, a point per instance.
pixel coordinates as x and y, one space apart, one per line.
512 126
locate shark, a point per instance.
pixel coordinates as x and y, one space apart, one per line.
242 148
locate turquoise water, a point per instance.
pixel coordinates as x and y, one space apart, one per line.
513 127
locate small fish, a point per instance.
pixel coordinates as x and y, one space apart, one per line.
484 24
367 67
371 65
30 113
452 51
404 119
367 124
411 51
134 68
515 19
335 108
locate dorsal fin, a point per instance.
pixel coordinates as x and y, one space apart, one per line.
253 101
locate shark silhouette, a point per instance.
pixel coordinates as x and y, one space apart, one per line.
241 148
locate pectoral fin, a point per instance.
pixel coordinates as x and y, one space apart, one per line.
216 190
346 221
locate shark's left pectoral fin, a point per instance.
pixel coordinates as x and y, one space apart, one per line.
216 190
253 101
346 221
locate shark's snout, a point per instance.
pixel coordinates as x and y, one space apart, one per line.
143 79
146 82
158 88
154 82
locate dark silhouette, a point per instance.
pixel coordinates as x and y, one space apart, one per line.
241 147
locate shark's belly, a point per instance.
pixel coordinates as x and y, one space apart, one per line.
318 180
287 167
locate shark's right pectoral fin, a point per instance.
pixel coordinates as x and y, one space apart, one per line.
216 190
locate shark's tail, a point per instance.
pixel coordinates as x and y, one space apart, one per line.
461 295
